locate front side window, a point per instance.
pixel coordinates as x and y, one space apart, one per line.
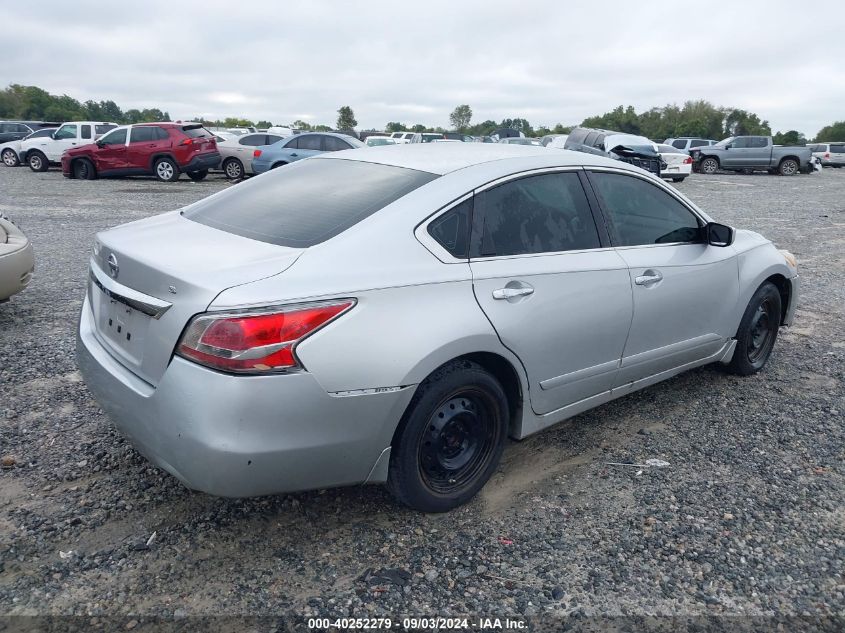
451 230
641 213
741 143
548 213
118 137
41 133
65 132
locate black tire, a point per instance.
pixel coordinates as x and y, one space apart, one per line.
10 157
747 172
709 166
233 168
757 331
198 175
788 167
450 439
677 180
166 170
37 161
83 169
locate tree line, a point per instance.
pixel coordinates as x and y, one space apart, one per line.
694 118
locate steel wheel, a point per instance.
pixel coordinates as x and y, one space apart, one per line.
763 329
457 443
757 332
10 159
233 169
709 166
37 162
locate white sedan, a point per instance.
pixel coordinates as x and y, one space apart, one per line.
678 162
375 141
17 263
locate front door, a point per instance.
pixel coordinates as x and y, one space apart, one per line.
558 297
64 138
685 291
111 153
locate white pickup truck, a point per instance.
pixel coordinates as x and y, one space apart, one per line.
40 153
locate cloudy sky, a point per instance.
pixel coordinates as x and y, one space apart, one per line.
414 61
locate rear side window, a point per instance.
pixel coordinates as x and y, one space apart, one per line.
253 140
758 142
272 138
592 136
837 149
451 230
681 144
143 134
86 131
641 213
293 207
539 214
310 141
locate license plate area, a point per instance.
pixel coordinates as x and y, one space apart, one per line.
121 327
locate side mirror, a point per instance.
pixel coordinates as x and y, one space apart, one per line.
719 234
728 146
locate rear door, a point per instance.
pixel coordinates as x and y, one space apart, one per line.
557 295
837 154
685 291
144 141
307 145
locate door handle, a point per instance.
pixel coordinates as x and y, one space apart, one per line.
510 293
294 154
648 278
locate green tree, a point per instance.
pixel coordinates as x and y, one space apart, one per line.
395 126
460 117
835 132
792 137
521 125
322 128
346 118
302 125
263 125
742 123
419 127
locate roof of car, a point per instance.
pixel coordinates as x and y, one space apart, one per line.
443 158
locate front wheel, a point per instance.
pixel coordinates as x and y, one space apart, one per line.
788 167
10 158
196 176
233 168
38 162
677 180
709 166
83 169
166 170
757 331
450 440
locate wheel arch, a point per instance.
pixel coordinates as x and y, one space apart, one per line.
158 155
784 287
757 267
790 157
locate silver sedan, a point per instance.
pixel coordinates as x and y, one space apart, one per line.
393 315
237 153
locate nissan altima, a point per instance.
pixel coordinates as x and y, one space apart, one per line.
392 316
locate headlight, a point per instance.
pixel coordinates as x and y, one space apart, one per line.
790 259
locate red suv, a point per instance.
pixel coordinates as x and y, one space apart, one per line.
164 150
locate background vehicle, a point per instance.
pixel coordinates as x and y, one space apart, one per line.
10 152
749 153
375 141
370 332
300 146
687 143
402 137
558 142
40 153
548 138
830 154
17 262
628 148
161 149
520 140
17 130
678 163
236 153
425 137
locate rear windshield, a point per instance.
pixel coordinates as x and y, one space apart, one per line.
195 131
293 206
837 149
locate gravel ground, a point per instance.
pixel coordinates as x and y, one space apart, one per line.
748 519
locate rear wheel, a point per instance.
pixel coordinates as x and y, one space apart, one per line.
10 158
709 166
757 331
788 167
450 440
83 169
38 161
196 176
677 179
233 168
165 169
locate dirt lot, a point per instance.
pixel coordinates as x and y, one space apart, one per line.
748 519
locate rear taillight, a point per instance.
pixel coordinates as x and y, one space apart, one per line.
827 156
255 342
256 153
688 160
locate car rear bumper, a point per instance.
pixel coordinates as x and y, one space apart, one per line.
16 268
203 161
242 436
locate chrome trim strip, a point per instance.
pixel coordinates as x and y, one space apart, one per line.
143 303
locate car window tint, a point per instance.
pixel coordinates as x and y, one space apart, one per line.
272 138
451 230
196 131
293 143
837 149
740 143
102 129
310 142
590 138
143 134
599 142
43 132
85 131
641 213
681 144
758 142
253 140
118 137
334 144
538 214
293 207
65 132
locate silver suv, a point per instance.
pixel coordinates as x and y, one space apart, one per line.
686 143
830 154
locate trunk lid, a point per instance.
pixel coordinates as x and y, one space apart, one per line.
148 279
